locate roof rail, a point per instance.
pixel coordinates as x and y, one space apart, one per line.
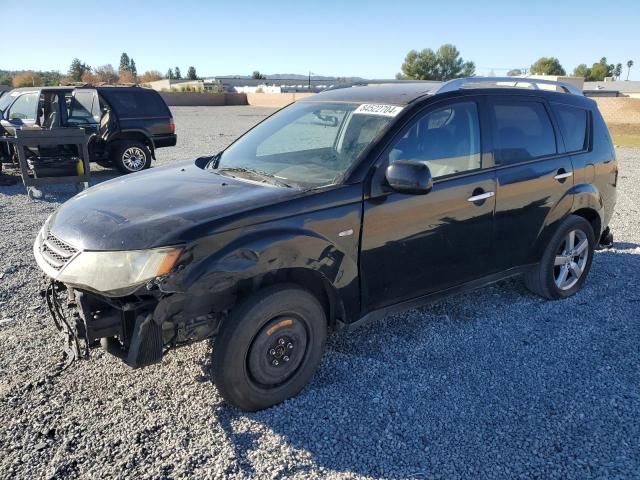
365 83
459 83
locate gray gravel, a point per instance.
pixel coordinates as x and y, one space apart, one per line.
494 384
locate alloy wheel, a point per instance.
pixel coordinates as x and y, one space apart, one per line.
571 259
134 159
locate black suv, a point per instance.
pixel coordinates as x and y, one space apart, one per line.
126 124
339 208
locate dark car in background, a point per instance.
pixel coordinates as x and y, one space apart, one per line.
338 209
126 124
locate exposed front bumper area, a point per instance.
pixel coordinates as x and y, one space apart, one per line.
139 329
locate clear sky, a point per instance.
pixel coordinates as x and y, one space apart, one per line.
341 38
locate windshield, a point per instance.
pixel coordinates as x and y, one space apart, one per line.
306 144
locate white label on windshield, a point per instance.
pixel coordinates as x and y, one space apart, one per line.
378 109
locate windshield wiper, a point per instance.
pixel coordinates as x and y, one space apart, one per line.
264 175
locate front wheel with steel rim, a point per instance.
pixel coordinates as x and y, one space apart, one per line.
269 347
565 262
131 156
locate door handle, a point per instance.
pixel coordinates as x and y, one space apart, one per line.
480 197
563 175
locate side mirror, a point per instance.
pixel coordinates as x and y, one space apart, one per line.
408 176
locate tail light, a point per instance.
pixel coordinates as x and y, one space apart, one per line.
172 126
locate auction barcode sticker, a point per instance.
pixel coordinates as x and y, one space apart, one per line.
378 109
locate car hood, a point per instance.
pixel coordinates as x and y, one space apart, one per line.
156 207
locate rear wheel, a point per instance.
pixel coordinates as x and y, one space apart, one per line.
131 156
566 261
269 348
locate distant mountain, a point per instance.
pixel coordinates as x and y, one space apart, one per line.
296 76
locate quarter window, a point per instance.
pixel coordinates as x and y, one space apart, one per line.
446 139
573 125
139 103
24 107
522 131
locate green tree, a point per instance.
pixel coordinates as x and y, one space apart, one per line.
132 68
598 72
169 74
77 69
617 71
51 78
256 75
176 73
516 72
547 66
191 73
5 79
629 65
444 64
125 63
582 71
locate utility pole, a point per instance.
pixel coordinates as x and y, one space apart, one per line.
309 80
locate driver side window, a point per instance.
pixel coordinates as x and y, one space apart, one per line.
446 139
24 108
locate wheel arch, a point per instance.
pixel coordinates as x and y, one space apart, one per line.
589 204
136 135
310 280
583 200
277 256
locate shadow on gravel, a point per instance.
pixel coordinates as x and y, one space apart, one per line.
55 193
493 382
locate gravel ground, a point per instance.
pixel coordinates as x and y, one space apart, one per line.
494 384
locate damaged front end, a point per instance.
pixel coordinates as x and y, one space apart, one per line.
139 328
132 314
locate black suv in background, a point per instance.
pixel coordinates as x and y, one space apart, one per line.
126 124
339 208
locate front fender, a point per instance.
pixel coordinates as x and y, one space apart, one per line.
250 257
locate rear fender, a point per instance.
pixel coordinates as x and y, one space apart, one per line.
580 197
137 135
588 197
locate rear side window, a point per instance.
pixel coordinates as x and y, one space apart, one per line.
573 125
522 131
136 103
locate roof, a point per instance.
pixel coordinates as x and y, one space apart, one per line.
619 86
394 93
31 89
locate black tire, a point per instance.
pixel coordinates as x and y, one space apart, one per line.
130 156
244 350
543 279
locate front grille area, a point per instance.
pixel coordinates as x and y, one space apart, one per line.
56 252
